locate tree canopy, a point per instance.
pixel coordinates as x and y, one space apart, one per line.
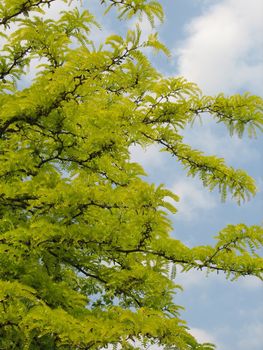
87 260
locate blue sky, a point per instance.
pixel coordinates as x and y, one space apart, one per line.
217 44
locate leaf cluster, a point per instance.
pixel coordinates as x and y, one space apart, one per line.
85 245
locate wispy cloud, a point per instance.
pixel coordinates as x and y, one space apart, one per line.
194 199
149 157
223 50
193 279
55 9
200 279
248 337
251 337
215 140
144 24
250 282
202 335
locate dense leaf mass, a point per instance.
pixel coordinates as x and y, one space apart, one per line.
86 253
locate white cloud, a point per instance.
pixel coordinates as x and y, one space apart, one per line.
224 48
198 278
54 11
193 199
209 140
146 30
194 278
144 24
147 157
202 335
250 282
251 337
99 35
31 72
190 279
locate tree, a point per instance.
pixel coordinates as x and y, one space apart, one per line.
86 251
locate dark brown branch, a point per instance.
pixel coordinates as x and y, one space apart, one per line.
26 7
193 264
91 275
17 60
172 150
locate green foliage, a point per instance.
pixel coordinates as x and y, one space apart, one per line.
86 260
